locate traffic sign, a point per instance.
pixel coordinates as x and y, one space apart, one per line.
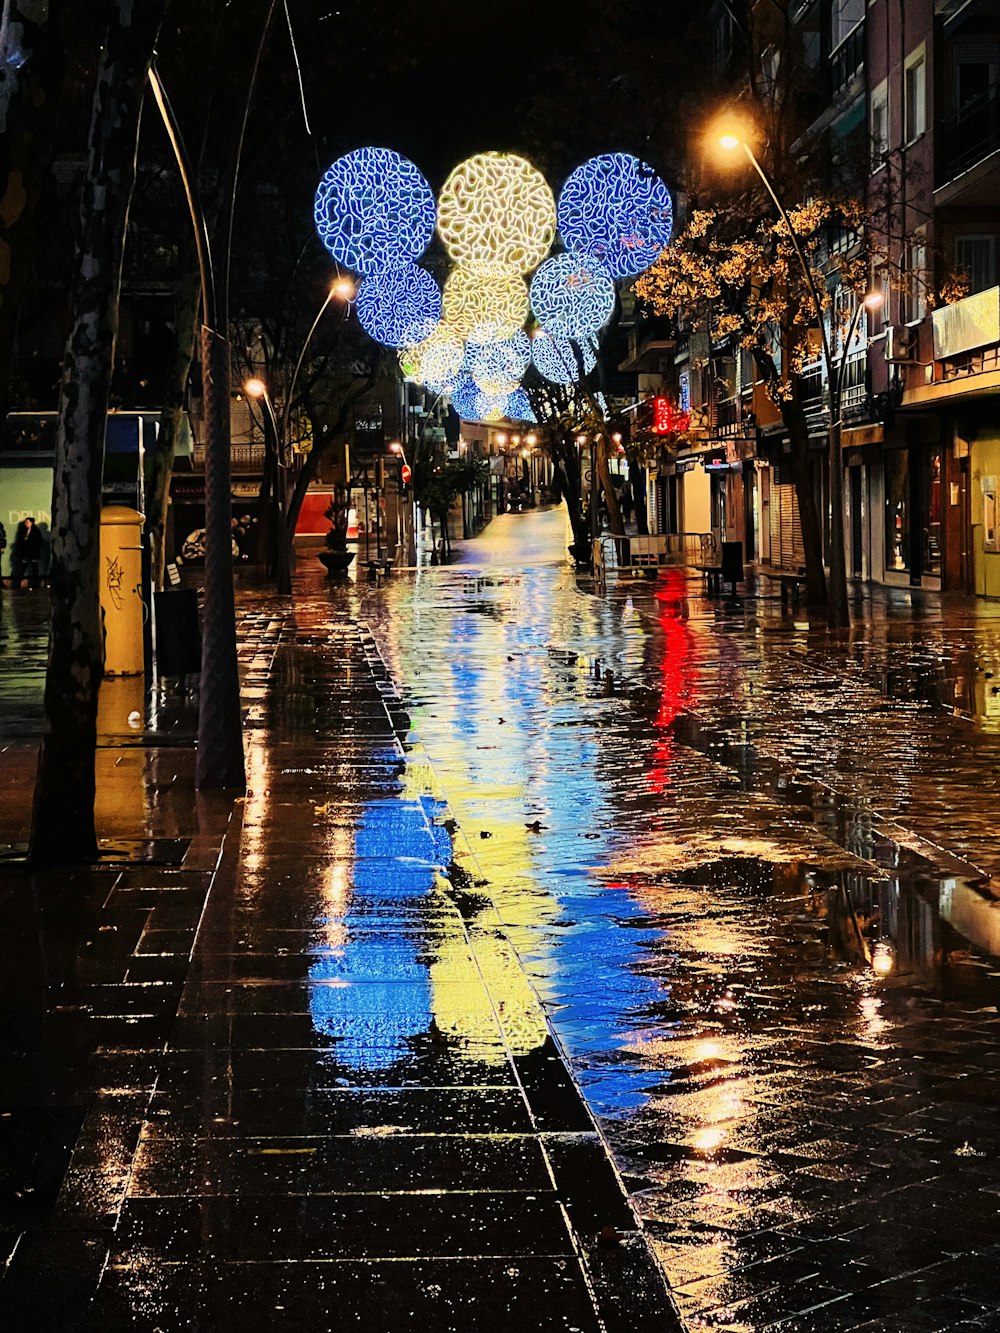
405 474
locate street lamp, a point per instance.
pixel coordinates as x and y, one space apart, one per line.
341 289
256 388
838 614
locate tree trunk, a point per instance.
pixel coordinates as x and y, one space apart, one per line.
615 522
63 818
32 73
809 515
159 461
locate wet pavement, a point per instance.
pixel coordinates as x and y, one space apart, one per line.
733 871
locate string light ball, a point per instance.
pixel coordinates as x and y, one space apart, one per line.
435 362
486 303
571 297
497 367
374 208
556 359
615 210
518 408
497 208
465 398
400 305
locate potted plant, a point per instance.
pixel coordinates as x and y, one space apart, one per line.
336 557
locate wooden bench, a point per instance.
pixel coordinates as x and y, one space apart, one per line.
790 585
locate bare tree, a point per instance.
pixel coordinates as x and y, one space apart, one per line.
63 818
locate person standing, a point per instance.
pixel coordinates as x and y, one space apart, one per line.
3 547
26 554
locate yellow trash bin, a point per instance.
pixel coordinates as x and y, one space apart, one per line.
121 590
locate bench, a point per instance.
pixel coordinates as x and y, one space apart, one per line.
712 574
790 585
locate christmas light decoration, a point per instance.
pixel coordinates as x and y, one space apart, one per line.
556 358
497 367
571 298
484 304
374 208
497 208
400 305
518 408
616 211
436 361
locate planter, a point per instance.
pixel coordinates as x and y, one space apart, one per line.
336 562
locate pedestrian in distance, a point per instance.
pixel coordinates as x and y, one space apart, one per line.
26 555
625 503
3 547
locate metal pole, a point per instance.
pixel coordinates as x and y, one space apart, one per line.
838 612
219 761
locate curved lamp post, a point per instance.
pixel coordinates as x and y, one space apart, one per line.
341 289
219 761
838 613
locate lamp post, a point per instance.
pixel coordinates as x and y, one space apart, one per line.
838 612
274 442
341 289
219 761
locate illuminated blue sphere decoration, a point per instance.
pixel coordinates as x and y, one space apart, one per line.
518 407
616 211
556 359
464 398
374 208
571 297
498 366
400 305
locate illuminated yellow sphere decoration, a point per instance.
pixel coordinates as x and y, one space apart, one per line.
484 303
497 208
436 361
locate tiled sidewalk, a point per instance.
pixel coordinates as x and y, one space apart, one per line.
357 1117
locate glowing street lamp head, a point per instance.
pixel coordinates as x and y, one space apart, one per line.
255 388
729 142
343 289
873 301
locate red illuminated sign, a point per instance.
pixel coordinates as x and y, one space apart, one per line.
405 474
667 420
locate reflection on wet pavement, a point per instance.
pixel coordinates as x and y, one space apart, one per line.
782 1016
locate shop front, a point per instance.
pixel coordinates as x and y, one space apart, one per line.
913 508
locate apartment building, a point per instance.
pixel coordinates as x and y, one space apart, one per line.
903 111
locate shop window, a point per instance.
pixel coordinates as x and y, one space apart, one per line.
897 509
930 499
990 535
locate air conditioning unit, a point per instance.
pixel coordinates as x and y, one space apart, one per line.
900 342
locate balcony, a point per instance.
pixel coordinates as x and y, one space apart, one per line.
971 136
848 60
246 459
855 399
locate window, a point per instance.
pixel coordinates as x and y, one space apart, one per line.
845 16
879 124
915 96
913 297
976 257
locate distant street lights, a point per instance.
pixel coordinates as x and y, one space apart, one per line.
838 612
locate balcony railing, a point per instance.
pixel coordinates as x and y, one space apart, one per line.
856 401
246 458
848 59
970 136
